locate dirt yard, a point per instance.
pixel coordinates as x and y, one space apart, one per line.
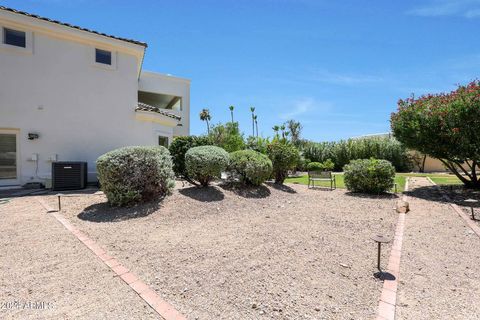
439 276
264 253
48 274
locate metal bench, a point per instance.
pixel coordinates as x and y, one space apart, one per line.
322 176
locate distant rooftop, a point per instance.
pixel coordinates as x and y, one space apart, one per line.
73 26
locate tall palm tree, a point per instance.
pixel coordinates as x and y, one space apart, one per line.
275 129
256 123
205 116
282 127
295 129
252 109
231 111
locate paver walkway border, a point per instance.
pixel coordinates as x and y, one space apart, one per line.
163 308
388 297
474 226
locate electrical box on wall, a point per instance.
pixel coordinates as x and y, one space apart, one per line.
34 157
53 158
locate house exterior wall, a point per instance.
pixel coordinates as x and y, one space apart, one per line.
78 108
164 84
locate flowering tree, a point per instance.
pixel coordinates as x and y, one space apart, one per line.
445 126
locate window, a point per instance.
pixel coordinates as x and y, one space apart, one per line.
102 56
163 141
14 38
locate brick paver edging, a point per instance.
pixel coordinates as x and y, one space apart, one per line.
472 224
163 308
388 297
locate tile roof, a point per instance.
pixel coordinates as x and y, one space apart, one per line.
72 26
146 107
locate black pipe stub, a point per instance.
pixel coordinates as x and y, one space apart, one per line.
471 203
379 239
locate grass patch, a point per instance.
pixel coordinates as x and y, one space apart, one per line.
446 180
438 178
399 180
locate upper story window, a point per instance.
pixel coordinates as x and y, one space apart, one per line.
102 56
14 38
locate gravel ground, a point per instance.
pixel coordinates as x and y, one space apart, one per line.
459 194
48 274
439 272
264 253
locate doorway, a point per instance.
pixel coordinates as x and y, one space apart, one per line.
9 170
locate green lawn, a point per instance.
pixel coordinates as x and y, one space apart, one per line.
399 180
438 178
446 179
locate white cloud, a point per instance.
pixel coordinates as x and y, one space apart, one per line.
303 106
437 8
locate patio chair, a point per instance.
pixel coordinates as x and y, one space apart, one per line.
322 176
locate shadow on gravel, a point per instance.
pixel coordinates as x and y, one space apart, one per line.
281 187
372 196
205 194
253 192
103 212
457 193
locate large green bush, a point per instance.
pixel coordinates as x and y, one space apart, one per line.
131 175
315 166
446 127
179 147
342 152
369 176
284 158
327 165
206 163
251 166
227 136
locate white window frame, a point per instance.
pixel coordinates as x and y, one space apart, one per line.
11 48
93 58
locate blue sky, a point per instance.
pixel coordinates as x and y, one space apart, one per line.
338 67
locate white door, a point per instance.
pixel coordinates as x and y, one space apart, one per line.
9 170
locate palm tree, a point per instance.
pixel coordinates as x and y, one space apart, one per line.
275 129
205 116
252 109
282 127
231 111
256 123
295 129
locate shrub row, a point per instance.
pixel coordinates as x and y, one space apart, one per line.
342 152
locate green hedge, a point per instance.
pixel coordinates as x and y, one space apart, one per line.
131 175
342 152
315 166
284 158
205 163
369 176
179 147
251 166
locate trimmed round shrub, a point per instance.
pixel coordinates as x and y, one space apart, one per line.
206 163
315 166
284 157
369 176
132 175
179 147
253 167
328 165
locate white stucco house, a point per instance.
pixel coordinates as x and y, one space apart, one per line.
71 94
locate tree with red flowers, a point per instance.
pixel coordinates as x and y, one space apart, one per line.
445 126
